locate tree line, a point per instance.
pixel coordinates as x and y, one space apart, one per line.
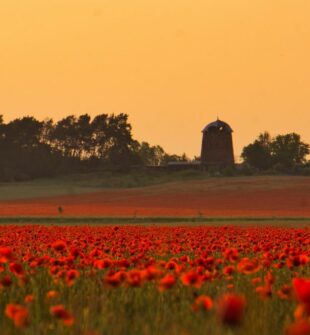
280 154
30 148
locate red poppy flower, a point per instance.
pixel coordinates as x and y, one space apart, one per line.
113 280
52 294
231 309
285 292
167 282
202 302
59 312
134 278
228 270
256 280
150 273
302 311
71 275
269 278
302 289
248 266
6 281
18 314
102 263
16 268
264 291
231 254
191 279
59 245
299 328
6 254
29 298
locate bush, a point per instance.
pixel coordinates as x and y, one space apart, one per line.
246 170
229 171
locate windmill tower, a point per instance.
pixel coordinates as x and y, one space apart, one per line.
217 145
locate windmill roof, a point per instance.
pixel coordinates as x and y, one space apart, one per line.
217 124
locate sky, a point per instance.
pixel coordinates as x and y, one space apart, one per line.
172 65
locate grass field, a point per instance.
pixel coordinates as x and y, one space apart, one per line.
155 279
298 222
91 182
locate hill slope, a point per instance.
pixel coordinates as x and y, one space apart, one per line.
238 196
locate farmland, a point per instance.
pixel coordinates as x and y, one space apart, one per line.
264 196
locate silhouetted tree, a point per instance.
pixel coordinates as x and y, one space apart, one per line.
30 148
258 154
151 155
289 150
24 132
64 137
283 152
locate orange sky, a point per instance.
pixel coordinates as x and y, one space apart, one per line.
172 65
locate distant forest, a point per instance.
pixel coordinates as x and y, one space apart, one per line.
30 148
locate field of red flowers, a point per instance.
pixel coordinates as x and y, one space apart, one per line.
212 197
94 280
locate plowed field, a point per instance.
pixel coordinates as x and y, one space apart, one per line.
244 196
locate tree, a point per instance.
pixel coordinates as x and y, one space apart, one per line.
63 136
156 155
283 152
288 150
99 139
151 155
119 150
175 158
84 136
2 127
23 152
24 132
258 154
30 148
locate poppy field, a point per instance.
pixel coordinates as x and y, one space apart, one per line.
126 279
259 196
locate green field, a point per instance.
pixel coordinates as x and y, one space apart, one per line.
146 221
92 182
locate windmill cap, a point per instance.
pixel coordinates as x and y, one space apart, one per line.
217 124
